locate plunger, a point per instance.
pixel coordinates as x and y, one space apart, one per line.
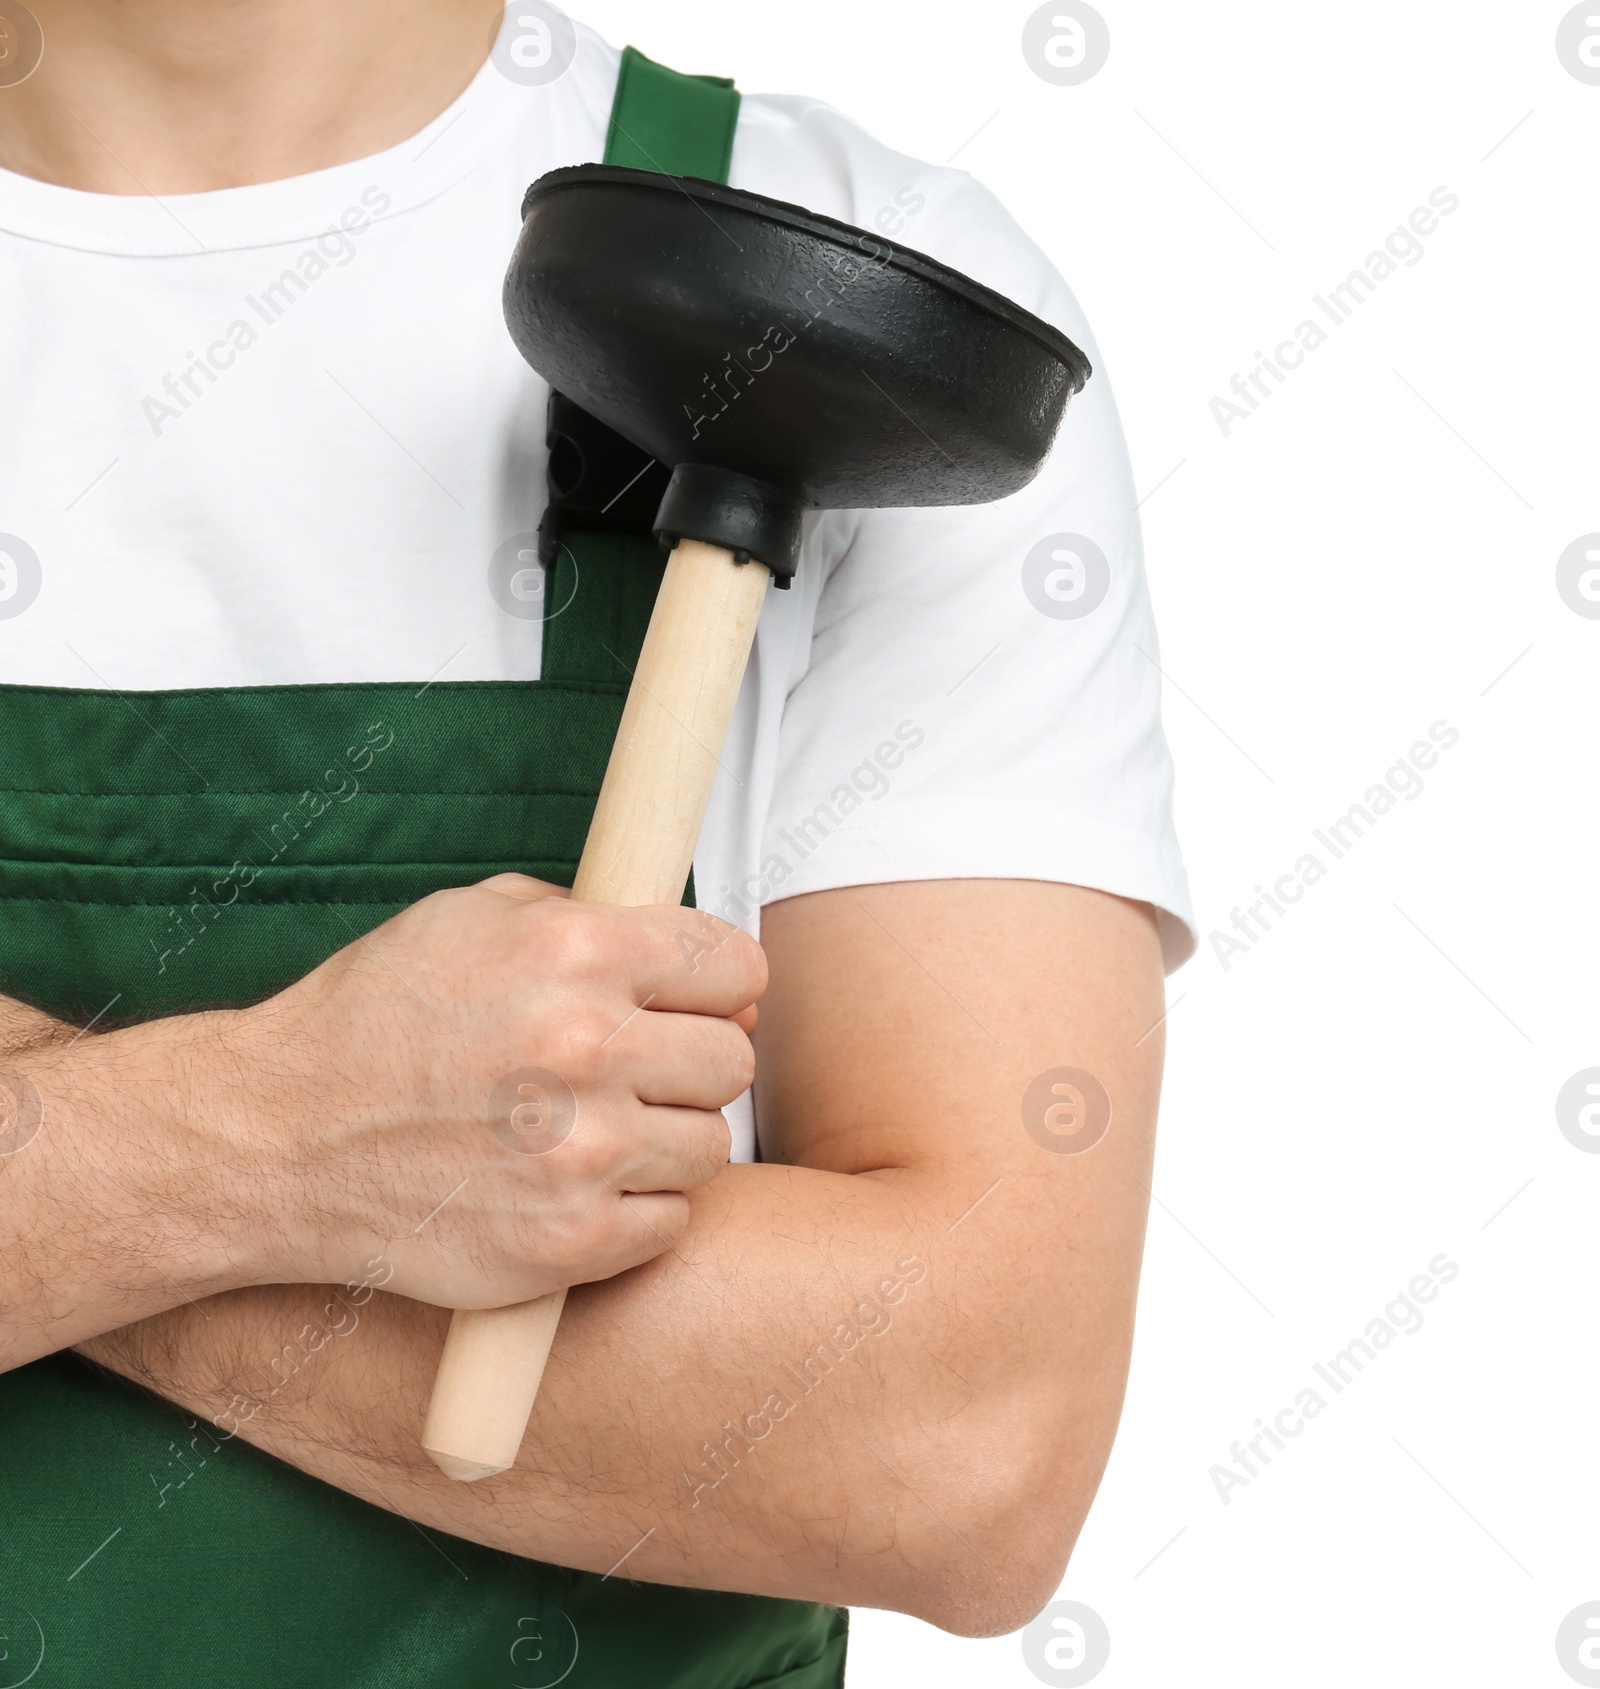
777 361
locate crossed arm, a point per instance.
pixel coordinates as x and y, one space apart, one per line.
884 1368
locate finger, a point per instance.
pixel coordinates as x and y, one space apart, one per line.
683 1061
688 960
746 1019
671 1149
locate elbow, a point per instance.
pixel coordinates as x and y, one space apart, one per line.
999 1592
1008 1518
975 1612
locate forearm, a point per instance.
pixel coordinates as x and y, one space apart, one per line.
937 1449
109 1209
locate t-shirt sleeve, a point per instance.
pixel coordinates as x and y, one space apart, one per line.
981 693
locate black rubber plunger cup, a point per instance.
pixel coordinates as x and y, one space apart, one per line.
777 362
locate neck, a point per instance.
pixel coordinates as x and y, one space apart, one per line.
184 96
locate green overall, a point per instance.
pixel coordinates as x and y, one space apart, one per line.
165 851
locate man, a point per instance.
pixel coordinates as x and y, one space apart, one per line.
295 738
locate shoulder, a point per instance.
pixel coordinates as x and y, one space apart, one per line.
803 150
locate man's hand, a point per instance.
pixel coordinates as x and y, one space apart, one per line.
499 1091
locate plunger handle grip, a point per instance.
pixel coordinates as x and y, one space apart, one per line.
639 851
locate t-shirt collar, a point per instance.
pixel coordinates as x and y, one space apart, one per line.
485 117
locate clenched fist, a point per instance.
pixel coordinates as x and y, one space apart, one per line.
499 1091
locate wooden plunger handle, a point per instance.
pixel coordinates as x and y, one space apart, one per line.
639 850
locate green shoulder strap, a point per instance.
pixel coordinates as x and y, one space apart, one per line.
682 126
662 120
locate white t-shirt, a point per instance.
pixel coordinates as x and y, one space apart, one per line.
276 434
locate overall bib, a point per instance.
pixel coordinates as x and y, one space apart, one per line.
162 852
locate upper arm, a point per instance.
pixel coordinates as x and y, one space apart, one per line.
965 1042
905 1023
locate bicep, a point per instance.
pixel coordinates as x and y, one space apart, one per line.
907 1024
993 1048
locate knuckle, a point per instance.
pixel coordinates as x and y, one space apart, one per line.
437 905
568 939
506 883
524 887
592 1156
581 1047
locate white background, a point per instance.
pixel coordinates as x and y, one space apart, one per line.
1375 1081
